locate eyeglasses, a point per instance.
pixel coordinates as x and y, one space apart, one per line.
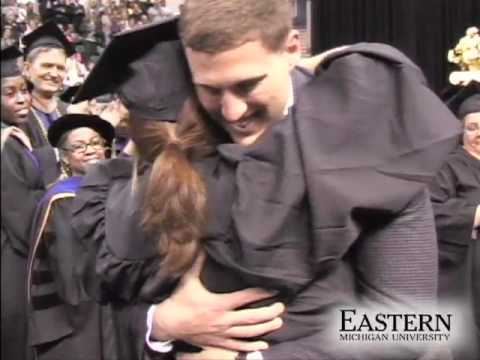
81 148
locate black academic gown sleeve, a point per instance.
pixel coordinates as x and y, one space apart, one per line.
63 318
49 164
118 264
22 188
455 194
385 262
34 129
35 132
45 153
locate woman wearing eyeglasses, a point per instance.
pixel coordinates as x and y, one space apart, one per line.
62 318
81 140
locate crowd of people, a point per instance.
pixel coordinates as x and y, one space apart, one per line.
204 193
89 25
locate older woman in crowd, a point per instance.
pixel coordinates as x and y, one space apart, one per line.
63 320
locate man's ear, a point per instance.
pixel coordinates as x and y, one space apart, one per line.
293 48
26 69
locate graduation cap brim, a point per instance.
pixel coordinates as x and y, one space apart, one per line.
471 105
111 68
457 95
70 122
9 62
48 35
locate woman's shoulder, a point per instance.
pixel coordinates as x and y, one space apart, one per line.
109 170
109 204
62 189
460 161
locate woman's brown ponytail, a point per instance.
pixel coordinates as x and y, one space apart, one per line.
174 210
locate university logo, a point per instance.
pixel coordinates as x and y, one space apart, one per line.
394 332
357 325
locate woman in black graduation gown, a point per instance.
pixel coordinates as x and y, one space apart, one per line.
121 263
62 318
22 188
455 194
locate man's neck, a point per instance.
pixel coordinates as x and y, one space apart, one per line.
46 103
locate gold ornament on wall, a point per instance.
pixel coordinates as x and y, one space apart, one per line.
466 55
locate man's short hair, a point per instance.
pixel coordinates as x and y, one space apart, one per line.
214 26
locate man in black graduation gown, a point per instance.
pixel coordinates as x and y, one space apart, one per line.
314 189
455 194
46 52
320 186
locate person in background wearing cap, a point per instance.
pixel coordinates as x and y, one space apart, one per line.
81 140
63 320
22 187
46 52
455 194
128 266
16 100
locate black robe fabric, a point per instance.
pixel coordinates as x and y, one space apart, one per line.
114 269
298 210
38 138
325 211
34 129
35 132
455 194
46 154
22 188
63 319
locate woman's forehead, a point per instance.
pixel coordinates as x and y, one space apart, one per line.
13 81
472 118
82 134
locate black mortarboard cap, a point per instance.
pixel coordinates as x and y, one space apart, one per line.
10 62
70 122
67 95
48 35
464 100
469 106
147 68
